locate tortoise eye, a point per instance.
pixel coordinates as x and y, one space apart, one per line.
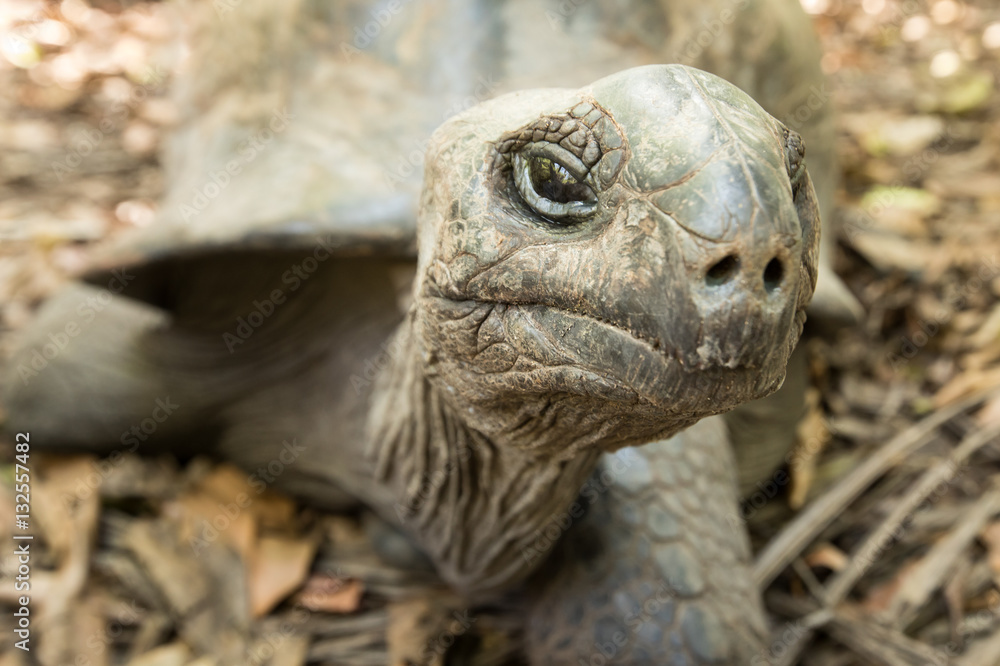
552 181
551 188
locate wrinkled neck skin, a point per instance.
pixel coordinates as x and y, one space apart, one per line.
481 510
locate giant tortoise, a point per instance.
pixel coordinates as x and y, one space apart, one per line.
605 252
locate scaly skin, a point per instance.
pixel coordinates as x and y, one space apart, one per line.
658 569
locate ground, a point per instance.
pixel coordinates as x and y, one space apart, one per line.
880 541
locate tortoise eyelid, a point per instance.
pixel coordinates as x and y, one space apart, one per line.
560 156
552 211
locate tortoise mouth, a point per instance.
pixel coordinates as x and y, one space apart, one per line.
534 349
532 309
704 356
537 337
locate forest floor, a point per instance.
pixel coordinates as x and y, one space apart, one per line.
882 548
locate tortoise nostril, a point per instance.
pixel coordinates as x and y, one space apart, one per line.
722 271
773 273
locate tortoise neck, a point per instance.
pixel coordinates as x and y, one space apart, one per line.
486 514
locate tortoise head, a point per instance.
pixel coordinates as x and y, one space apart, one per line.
606 266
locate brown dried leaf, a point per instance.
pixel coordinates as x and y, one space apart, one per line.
294 652
330 594
413 623
274 511
279 568
882 596
69 527
227 483
91 638
58 488
172 567
891 252
827 555
812 434
974 185
237 492
990 536
966 384
49 98
204 520
989 330
989 414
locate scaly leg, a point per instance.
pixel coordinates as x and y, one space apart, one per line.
658 570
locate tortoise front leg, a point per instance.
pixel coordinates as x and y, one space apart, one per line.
657 571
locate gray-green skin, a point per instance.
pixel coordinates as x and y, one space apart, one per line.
525 351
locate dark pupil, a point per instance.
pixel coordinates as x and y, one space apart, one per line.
552 181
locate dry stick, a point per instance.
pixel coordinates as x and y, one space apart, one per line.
812 583
815 518
879 644
878 540
929 573
937 475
